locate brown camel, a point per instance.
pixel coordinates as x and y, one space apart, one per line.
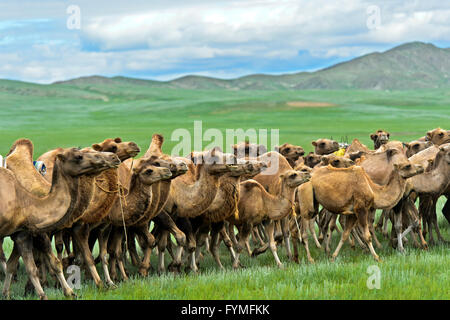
256 204
351 192
430 185
225 204
438 136
192 193
128 210
163 222
416 146
312 159
325 146
23 213
379 138
106 189
247 149
291 152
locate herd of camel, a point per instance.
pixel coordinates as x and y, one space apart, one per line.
101 194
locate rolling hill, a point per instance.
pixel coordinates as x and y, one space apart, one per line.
414 65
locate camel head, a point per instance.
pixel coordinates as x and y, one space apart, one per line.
292 178
325 146
312 159
247 149
445 149
416 146
251 167
149 171
76 162
303 168
290 152
408 170
124 150
215 161
438 136
379 138
336 161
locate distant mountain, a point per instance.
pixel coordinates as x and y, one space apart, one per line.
412 65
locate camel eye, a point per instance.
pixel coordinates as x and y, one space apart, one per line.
113 149
149 171
408 166
288 149
157 164
79 157
441 134
336 161
322 144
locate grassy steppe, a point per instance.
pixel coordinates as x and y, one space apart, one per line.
68 115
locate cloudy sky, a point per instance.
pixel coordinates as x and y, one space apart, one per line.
46 41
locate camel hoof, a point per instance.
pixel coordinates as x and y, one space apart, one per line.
425 246
312 261
281 267
43 297
143 272
111 286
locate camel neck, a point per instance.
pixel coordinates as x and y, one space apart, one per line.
53 211
193 199
388 195
434 181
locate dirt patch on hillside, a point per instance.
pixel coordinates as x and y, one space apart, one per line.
309 104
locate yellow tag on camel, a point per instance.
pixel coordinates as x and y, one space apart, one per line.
340 152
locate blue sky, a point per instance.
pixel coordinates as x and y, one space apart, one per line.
166 39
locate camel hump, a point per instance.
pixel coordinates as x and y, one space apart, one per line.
250 184
22 142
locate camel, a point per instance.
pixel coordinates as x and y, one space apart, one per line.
224 205
106 189
351 192
312 159
325 146
433 183
304 197
133 206
246 149
355 147
379 138
163 222
192 193
256 204
291 152
438 136
22 213
416 146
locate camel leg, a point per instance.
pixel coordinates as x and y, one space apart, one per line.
214 247
80 235
134 256
25 244
244 233
2 256
227 241
433 216
53 262
362 216
59 244
103 235
11 268
349 223
148 242
372 229
117 234
232 235
414 216
286 236
313 233
162 244
398 225
304 238
270 228
379 224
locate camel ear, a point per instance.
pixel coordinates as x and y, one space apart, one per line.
61 157
215 149
406 145
117 140
373 136
430 135
314 143
396 165
388 134
428 144
390 152
96 147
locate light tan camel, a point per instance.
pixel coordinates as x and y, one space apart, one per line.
23 214
256 204
379 138
291 152
325 146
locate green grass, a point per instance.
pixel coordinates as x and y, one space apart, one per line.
63 116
